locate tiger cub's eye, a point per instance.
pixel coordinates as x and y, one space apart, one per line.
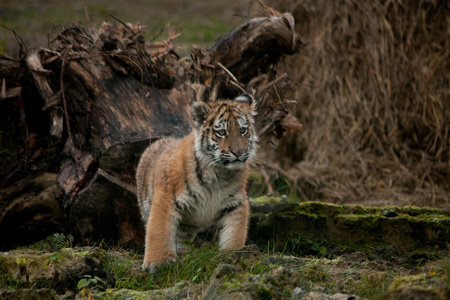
243 130
221 132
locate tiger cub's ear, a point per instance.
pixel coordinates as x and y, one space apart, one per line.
199 112
248 99
244 98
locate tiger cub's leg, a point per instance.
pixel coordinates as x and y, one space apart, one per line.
160 234
234 225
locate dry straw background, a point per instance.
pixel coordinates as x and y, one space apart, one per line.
372 91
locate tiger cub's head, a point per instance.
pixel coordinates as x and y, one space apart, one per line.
225 131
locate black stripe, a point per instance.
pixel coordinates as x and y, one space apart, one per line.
166 178
205 138
222 105
198 170
184 226
226 211
188 187
181 208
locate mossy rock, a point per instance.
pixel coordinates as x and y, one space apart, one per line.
416 294
421 280
134 294
59 270
230 282
354 226
28 294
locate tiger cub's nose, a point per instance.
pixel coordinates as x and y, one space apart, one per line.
238 152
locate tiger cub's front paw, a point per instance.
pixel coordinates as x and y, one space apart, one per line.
154 264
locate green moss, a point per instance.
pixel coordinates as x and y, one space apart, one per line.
418 280
268 200
264 292
420 212
319 208
83 252
360 210
231 281
347 225
368 222
25 294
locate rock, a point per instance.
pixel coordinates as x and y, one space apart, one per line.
297 293
59 270
135 294
222 273
229 282
28 294
321 296
223 270
283 276
403 228
242 256
417 286
265 204
417 281
417 294
191 291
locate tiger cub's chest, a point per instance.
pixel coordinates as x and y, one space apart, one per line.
205 206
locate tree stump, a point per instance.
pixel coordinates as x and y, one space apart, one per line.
85 109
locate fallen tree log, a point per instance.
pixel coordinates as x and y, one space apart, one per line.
91 103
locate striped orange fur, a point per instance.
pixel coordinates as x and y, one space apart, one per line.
185 185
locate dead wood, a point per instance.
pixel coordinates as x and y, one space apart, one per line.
29 210
253 48
97 98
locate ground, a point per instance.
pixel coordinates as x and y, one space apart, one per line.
290 265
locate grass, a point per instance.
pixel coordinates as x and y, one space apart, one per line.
54 242
195 267
198 265
201 21
353 273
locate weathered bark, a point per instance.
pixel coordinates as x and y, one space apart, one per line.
104 95
253 48
29 210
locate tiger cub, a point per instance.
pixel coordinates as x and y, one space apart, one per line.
185 185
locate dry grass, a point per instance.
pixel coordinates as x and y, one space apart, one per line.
372 86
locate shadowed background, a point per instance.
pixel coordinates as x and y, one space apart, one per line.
371 87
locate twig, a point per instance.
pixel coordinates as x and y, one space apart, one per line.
124 24
238 86
157 35
234 80
228 72
66 114
274 82
88 19
61 79
269 10
17 36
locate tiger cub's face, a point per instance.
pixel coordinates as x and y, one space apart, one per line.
225 132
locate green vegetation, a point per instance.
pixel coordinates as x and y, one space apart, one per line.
196 267
54 242
112 272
